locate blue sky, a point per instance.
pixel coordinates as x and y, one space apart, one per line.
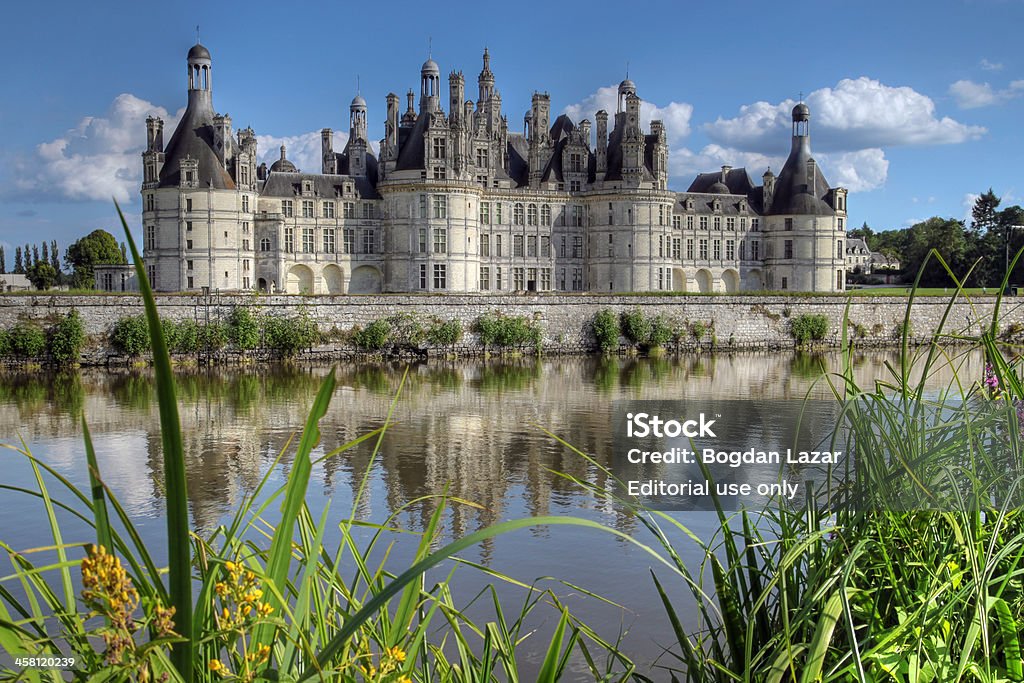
916 106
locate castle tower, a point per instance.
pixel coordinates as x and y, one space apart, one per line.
539 136
330 161
200 76
357 140
602 144
485 82
430 87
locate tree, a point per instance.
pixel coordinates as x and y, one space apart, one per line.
27 255
96 248
948 237
1011 228
41 274
863 232
3 261
54 256
983 213
46 252
19 266
35 253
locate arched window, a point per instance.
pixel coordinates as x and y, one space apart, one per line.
531 214
517 214
265 244
545 215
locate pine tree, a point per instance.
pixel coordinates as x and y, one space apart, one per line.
46 252
26 255
55 256
19 266
3 261
35 253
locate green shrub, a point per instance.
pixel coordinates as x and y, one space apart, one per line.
27 340
213 337
808 327
606 330
495 329
406 330
291 335
5 343
444 333
698 329
661 332
67 338
243 328
130 335
373 337
636 327
181 337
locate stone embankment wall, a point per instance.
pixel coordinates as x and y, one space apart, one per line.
734 321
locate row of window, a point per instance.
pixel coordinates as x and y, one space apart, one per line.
327 209
308 245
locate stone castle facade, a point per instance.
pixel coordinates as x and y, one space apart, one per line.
456 202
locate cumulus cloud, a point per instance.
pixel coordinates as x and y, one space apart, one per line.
971 95
685 163
859 171
990 66
98 158
302 150
856 114
675 115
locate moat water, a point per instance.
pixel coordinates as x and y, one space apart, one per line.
476 428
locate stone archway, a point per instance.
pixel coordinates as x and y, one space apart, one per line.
705 283
299 280
731 281
332 280
679 279
261 284
365 280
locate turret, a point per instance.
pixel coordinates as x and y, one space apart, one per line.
769 190
222 138
539 136
485 81
456 94
153 157
430 86
602 144
585 132
330 161
357 118
200 77
409 117
154 134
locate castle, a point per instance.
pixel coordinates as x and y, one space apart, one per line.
456 202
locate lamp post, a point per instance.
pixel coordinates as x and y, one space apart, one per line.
1006 263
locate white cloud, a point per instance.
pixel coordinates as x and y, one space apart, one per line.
990 66
971 95
860 171
302 150
856 114
684 163
675 115
98 158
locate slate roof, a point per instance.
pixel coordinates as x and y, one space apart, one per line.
288 185
736 180
194 138
793 194
411 153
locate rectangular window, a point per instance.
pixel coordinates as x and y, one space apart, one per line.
497 245
577 247
287 208
497 278
481 157
307 240
368 210
703 222
545 215
485 245
245 264
440 276
423 276
577 216
789 224
188 264
422 241
785 282
577 279
245 245
328 240
485 213
440 148
517 214
191 282
517 245
840 223
545 246
518 279
289 240
661 214
677 222
755 250
575 186
150 202
151 237
703 250
788 249
349 244
730 223
485 278
188 244
440 173
497 214
743 224
718 222
307 208
440 240
188 226
677 248
531 246
839 249
531 214
717 250
661 246
188 204
245 227
328 209
545 279
730 250
440 206
755 224
350 209
661 278
368 242
689 248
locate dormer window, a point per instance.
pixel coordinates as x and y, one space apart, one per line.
718 205
307 187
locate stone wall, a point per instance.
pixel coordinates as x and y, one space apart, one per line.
737 321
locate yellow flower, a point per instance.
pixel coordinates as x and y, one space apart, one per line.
215 665
396 653
404 679
230 566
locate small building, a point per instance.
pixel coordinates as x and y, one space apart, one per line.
116 278
14 282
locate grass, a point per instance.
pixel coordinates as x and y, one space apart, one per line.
874 581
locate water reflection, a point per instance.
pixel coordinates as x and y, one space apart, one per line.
471 428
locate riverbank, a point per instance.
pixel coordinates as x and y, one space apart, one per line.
552 324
